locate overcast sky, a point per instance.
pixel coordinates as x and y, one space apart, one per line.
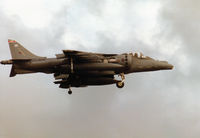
164 104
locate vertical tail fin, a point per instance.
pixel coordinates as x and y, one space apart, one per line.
18 52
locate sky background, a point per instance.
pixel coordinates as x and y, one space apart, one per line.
164 104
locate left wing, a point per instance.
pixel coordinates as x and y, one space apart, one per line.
83 56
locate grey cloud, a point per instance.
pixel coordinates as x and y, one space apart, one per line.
181 22
95 6
160 104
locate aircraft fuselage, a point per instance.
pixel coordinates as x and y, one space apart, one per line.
80 69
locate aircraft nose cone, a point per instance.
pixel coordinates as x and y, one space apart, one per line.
170 66
166 65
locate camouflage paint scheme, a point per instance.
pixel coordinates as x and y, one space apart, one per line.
80 69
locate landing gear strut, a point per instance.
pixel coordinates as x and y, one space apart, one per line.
72 71
120 84
70 91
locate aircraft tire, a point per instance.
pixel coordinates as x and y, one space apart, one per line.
120 84
69 92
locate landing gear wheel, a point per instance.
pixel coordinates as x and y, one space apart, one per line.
120 84
69 92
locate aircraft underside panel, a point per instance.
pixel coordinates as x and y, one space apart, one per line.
83 80
87 81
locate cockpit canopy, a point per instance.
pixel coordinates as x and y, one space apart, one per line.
138 55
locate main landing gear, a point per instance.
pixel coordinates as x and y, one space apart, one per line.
120 84
72 71
70 90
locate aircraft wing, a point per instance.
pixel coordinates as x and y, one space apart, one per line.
83 56
83 78
80 53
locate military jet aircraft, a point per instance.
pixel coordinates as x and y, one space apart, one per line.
81 69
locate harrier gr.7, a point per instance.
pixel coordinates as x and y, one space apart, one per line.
80 69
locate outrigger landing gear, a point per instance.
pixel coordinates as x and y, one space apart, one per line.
120 84
70 91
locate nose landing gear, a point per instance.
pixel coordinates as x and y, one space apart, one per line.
120 84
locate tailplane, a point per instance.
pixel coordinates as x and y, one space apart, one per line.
18 52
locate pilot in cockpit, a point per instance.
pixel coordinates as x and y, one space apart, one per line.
138 55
